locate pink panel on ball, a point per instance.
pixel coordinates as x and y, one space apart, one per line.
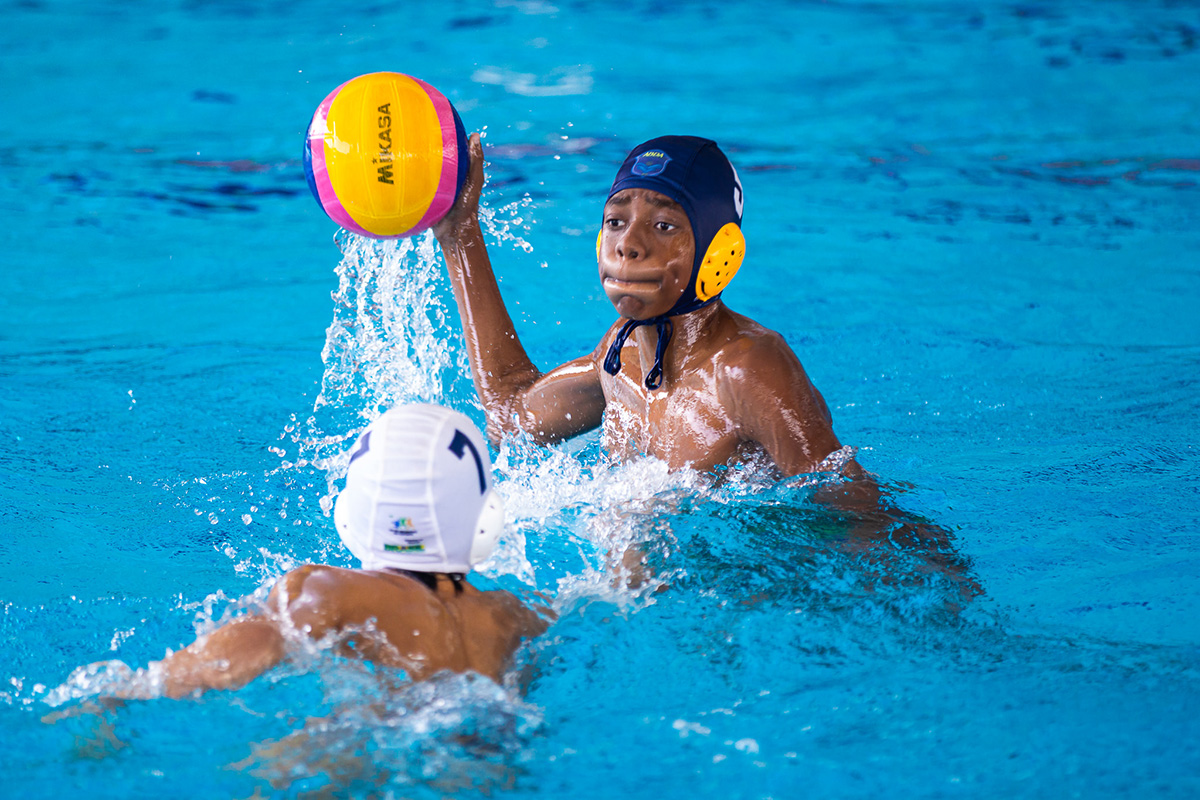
447 189
329 200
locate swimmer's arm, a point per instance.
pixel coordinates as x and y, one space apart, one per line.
228 658
241 650
551 407
777 407
564 402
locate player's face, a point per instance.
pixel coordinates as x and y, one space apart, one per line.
646 253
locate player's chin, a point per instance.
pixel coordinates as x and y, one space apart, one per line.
630 306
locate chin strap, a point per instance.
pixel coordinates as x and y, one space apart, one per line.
654 378
612 361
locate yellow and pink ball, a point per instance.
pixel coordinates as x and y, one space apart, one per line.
385 155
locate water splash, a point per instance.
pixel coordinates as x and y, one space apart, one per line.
361 728
504 224
395 338
390 342
586 521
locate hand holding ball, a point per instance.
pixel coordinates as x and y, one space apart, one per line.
386 155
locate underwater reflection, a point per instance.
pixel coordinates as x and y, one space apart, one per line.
447 736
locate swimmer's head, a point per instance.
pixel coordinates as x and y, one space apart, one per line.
419 493
695 174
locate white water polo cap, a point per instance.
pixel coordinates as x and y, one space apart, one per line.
419 493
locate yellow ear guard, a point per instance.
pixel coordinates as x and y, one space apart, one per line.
721 261
599 236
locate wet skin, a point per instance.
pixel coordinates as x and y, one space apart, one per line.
730 385
420 630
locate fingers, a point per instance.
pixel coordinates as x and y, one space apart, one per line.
475 171
466 205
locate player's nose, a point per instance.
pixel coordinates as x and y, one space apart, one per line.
633 243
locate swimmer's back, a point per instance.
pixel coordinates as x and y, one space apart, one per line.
428 628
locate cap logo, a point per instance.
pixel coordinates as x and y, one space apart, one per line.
403 526
410 539
650 163
404 548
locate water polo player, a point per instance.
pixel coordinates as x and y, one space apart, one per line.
419 512
680 376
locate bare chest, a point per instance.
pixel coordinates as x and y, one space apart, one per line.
683 422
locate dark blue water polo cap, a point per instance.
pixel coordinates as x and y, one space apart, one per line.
694 173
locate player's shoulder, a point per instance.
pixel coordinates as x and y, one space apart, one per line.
750 345
506 611
309 578
499 600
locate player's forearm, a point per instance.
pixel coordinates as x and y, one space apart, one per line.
501 368
228 658
876 520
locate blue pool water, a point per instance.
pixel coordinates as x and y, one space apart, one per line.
976 223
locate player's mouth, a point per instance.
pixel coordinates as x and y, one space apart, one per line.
632 282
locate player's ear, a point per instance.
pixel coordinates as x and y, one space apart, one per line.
721 261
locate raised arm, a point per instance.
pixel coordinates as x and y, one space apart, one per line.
561 403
